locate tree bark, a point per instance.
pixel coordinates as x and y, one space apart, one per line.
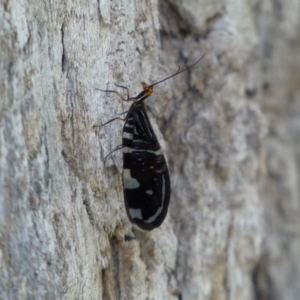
230 129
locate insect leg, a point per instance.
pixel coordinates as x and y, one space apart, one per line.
122 113
125 88
114 119
111 152
110 91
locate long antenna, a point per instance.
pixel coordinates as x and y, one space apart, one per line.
178 72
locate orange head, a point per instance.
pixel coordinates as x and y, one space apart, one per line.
148 89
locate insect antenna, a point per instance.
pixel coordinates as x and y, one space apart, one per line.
178 72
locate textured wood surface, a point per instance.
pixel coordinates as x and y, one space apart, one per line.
230 128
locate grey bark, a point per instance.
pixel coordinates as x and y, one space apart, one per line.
230 130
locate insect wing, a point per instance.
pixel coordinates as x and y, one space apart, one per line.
145 173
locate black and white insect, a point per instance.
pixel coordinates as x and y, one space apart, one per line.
146 180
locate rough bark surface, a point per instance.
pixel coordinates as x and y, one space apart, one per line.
231 128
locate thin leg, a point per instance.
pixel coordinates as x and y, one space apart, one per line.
124 112
110 91
116 149
114 119
127 92
125 88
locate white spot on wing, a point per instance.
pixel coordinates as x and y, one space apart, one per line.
129 182
149 192
158 212
135 213
130 150
128 125
127 135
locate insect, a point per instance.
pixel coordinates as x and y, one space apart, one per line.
146 179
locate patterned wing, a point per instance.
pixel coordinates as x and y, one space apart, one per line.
145 173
